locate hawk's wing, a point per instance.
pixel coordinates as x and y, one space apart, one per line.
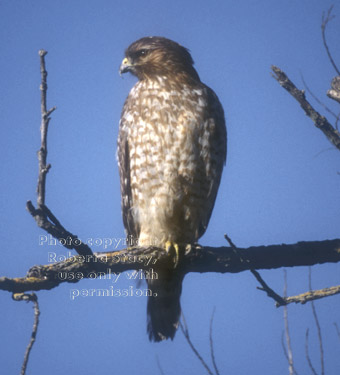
217 153
131 227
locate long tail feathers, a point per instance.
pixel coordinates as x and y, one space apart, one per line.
164 309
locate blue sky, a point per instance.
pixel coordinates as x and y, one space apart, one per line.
280 184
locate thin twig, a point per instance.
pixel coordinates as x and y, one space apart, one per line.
159 366
185 331
45 119
29 298
325 20
285 318
212 343
307 354
322 362
323 151
270 292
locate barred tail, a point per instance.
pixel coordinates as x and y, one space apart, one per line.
164 309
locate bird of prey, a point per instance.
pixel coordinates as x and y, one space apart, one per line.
171 152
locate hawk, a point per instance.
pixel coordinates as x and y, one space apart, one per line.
171 152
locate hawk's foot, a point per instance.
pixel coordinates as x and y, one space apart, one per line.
171 246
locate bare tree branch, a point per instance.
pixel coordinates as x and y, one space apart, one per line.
325 20
319 121
42 215
317 325
32 298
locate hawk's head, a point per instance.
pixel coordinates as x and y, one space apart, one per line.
157 56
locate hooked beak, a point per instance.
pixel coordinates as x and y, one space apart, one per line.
125 66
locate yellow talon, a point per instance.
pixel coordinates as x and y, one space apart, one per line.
169 246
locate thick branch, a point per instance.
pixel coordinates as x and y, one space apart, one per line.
319 121
199 259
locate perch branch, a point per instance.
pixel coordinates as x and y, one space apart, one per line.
198 259
319 121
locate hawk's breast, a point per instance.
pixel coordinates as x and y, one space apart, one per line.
170 133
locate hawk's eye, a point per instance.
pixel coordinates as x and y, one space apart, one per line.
140 53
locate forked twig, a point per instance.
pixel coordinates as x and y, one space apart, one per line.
270 292
185 331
